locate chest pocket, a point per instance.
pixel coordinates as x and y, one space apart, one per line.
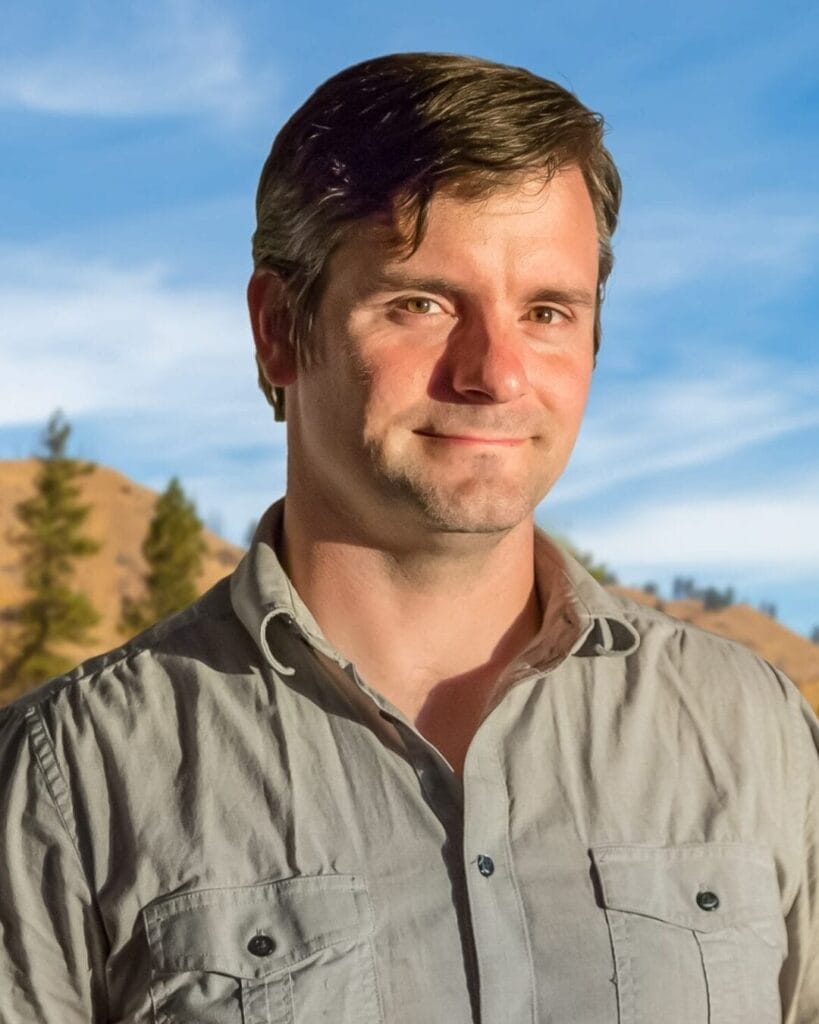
283 952
697 932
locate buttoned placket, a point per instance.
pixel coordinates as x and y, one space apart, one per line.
504 957
443 792
474 810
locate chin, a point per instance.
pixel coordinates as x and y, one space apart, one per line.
490 498
473 507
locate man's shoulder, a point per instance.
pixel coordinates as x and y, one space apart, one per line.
199 644
685 654
665 652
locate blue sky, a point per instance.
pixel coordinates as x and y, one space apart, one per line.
133 136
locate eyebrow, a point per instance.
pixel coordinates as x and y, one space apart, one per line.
569 296
391 281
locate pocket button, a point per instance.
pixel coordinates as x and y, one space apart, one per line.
261 945
707 900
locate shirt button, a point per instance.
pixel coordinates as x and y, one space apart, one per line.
486 865
707 900
261 945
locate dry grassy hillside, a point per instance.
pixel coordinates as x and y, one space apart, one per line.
119 517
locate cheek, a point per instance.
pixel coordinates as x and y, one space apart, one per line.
395 385
563 387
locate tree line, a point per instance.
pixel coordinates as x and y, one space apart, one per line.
51 538
713 599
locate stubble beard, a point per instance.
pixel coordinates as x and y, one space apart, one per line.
483 501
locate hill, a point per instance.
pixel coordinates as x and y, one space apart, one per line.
121 511
119 517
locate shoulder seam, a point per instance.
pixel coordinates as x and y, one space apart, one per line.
45 755
633 610
46 758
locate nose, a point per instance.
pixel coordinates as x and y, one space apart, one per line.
485 364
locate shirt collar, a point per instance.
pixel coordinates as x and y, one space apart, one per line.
603 626
580 616
260 591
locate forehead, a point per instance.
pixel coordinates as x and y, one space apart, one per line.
521 219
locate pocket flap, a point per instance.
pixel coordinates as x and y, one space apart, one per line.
704 886
255 930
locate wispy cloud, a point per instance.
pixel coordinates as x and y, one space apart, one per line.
96 337
747 531
773 238
160 58
158 379
654 425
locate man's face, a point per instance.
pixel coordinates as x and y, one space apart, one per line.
450 386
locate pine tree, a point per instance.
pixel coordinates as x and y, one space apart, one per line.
173 550
51 540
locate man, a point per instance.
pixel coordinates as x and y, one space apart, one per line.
410 763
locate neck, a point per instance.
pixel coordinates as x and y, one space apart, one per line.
431 626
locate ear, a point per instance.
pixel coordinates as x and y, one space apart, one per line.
270 321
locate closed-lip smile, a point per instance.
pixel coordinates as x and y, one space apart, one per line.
472 438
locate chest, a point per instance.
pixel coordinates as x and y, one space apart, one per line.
311 874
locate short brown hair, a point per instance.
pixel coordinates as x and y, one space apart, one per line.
391 130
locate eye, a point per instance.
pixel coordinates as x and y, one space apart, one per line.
545 315
419 305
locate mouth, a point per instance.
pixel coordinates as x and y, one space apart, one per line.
473 439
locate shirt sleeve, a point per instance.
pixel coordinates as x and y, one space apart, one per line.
51 940
800 975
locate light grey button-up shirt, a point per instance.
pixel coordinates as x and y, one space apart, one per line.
222 823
